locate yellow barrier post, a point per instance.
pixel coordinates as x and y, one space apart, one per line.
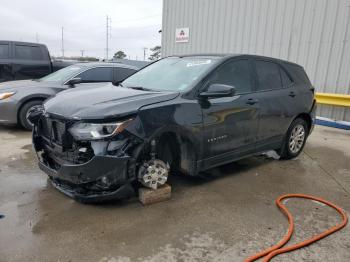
333 99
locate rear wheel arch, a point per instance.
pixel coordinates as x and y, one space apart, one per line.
285 150
306 117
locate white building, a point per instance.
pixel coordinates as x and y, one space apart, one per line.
312 33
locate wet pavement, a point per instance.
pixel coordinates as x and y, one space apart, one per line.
225 215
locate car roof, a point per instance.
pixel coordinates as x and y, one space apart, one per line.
104 64
227 56
21 43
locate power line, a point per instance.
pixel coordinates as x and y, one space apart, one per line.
144 53
108 28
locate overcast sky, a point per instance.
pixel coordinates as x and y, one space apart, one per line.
135 24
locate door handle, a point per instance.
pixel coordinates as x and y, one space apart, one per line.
292 94
252 101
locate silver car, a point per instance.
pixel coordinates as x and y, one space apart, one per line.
17 98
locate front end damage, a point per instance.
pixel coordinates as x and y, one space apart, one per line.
87 170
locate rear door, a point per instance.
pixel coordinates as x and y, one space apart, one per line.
276 95
5 62
230 123
30 61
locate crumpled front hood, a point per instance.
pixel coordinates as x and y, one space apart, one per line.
16 85
103 102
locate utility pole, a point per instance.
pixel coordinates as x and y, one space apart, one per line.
82 53
62 44
144 53
37 37
108 27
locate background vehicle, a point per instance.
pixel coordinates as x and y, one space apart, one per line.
185 114
17 98
22 60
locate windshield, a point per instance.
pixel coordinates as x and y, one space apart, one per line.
63 74
171 74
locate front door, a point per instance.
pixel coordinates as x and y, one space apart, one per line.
230 123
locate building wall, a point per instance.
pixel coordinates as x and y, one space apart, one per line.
312 33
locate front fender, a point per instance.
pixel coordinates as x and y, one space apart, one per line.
183 119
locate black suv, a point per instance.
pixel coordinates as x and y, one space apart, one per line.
181 114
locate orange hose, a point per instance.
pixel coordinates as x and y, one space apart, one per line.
277 249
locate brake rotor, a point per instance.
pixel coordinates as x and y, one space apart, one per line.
153 173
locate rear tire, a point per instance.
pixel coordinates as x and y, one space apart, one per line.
22 116
295 139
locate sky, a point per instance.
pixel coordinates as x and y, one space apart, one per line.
134 25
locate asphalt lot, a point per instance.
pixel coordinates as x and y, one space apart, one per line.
225 216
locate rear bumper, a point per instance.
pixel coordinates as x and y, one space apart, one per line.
313 116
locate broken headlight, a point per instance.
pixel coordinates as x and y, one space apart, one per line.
95 131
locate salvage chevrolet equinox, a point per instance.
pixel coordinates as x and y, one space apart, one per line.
181 114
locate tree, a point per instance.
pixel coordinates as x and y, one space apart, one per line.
156 53
120 55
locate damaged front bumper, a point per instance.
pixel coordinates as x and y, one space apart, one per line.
93 178
77 181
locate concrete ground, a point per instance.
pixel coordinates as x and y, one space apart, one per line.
225 216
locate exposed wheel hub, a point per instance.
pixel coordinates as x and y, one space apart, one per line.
153 173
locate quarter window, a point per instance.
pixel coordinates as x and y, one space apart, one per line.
269 76
28 52
4 51
236 74
99 74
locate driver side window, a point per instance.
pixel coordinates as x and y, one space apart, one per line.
236 73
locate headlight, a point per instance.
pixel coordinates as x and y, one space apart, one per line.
94 131
6 95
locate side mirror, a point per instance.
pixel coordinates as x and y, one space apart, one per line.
218 90
74 81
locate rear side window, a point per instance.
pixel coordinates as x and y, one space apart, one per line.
298 73
286 81
269 76
28 52
235 73
4 51
99 74
123 73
